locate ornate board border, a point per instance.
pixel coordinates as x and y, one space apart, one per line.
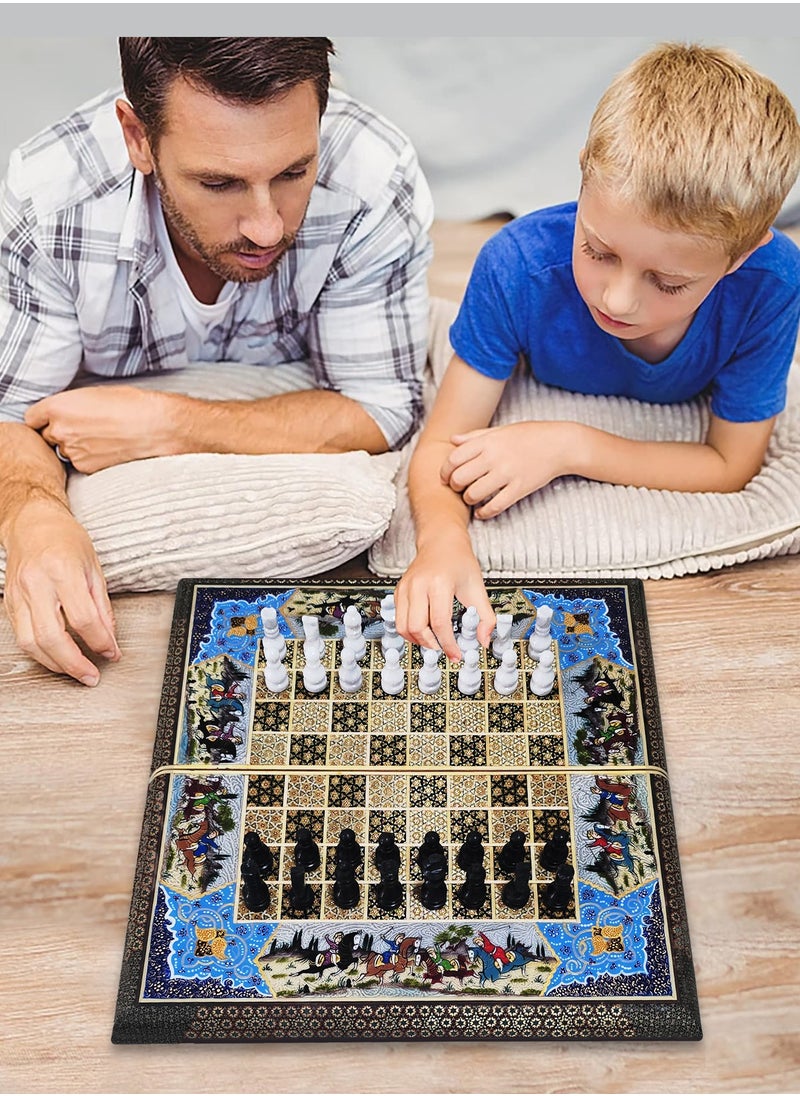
299 1021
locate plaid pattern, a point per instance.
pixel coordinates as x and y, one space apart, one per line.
82 285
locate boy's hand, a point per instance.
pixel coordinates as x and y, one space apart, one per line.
496 467
424 596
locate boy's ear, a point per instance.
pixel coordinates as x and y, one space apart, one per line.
765 239
582 157
136 139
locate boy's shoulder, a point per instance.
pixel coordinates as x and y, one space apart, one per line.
780 259
535 242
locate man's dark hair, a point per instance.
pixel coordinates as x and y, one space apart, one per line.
244 70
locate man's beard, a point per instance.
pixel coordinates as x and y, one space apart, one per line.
213 257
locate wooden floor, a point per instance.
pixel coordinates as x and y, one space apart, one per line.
726 649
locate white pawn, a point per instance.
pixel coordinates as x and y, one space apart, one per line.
392 676
273 640
502 640
467 638
314 677
354 633
540 636
350 673
275 676
390 638
469 676
430 674
544 676
314 646
506 676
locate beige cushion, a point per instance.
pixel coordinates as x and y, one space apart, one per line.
579 527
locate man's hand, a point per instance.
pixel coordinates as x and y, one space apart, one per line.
424 596
495 467
97 427
53 579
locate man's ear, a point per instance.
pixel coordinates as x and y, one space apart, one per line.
139 151
765 239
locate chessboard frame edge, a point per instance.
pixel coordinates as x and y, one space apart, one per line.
680 1019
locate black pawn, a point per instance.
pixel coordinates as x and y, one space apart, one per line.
389 892
255 892
306 851
517 892
472 892
558 894
431 846
433 893
346 892
386 851
471 852
555 851
301 896
259 852
512 853
348 851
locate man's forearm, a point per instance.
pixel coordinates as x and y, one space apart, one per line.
29 472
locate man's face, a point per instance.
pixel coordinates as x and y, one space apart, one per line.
235 179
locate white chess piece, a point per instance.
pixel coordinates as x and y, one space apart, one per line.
354 633
469 676
467 638
314 645
544 676
502 640
275 676
539 639
392 676
350 673
390 638
430 674
272 639
506 676
314 677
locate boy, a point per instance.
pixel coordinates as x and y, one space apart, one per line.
663 281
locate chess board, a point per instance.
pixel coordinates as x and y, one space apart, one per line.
610 959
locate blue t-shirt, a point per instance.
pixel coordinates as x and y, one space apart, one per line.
522 300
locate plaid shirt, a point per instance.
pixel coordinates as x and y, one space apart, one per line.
83 285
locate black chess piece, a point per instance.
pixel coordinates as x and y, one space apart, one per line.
558 894
386 851
255 892
306 851
471 852
433 893
346 891
301 896
389 892
431 846
513 852
260 853
517 892
555 851
348 851
473 891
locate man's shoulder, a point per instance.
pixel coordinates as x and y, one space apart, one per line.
536 242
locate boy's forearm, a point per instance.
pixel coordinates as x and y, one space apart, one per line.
437 509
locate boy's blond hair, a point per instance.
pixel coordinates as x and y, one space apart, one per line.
699 141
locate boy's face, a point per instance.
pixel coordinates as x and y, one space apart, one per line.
640 282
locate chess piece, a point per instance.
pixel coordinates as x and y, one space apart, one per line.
390 639
348 850
346 891
272 638
354 633
539 639
255 892
260 853
301 896
517 892
512 853
469 676
315 680
430 674
558 894
471 851
502 641
433 892
544 676
306 850
351 676
506 676
386 851
393 679
473 892
467 637
276 678
555 851
431 845
389 892
314 644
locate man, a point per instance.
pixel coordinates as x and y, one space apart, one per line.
219 212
